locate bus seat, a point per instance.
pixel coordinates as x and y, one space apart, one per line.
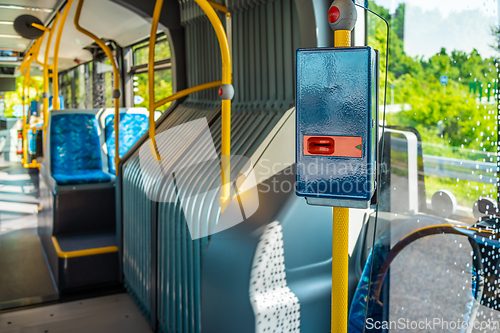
73 178
83 253
133 125
378 311
32 134
75 152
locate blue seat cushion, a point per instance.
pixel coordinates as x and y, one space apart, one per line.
75 152
80 177
132 127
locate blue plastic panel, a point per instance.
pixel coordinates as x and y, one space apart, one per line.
75 150
61 102
132 127
33 107
337 98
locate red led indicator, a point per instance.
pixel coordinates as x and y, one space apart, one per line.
333 14
221 91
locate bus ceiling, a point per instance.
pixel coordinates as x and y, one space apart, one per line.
107 21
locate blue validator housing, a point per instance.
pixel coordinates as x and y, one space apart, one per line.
336 125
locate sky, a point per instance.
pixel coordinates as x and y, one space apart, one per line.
453 24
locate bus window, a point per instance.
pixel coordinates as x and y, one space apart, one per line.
444 88
83 90
66 87
163 73
440 158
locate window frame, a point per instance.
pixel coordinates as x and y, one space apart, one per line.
133 69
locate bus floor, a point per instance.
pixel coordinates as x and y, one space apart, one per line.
26 281
108 314
24 274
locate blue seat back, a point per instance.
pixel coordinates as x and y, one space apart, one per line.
33 107
74 143
132 127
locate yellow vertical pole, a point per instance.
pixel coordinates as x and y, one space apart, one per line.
151 79
46 79
32 55
226 103
25 118
23 98
116 79
55 77
340 241
226 80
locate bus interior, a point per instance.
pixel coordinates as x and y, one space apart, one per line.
124 125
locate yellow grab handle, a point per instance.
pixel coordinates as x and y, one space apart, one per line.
173 97
33 56
208 9
46 78
218 6
226 103
82 253
116 79
188 91
23 98
151 80
40 27
340 241
55 76
222 38
27 81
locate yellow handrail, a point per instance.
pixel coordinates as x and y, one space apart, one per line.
46 68
226 80
27 59
23 98
218 6
116 79
33 83
55 78
40 27
226 103
151 80
33 56
27 82
30 55
187 91
82 253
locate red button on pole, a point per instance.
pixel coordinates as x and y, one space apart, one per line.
320 146
331 145
333 14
